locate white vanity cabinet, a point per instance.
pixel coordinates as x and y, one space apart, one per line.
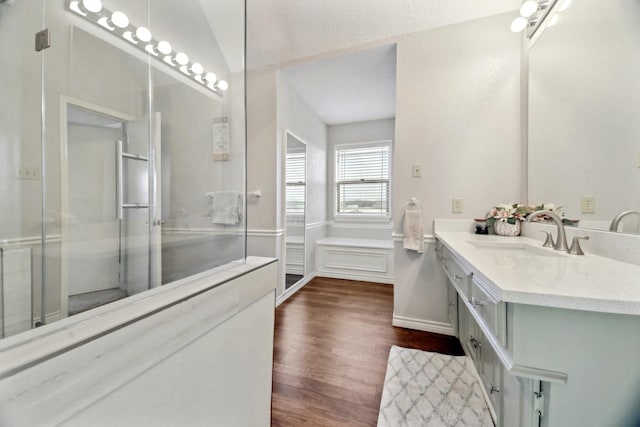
547 352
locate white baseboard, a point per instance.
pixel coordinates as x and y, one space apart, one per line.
424 325
295 288
351 276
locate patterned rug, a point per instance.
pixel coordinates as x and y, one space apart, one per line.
431 389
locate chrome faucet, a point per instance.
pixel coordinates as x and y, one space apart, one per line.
618 218
561 241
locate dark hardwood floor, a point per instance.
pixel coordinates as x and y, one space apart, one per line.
332 342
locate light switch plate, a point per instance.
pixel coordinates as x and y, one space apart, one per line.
417 170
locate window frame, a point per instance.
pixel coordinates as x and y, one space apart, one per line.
357 217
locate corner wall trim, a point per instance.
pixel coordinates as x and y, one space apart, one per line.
424 325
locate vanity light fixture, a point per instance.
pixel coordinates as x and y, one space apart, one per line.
117 19
117 22
85 6
532 13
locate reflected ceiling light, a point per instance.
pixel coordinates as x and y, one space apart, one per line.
93 6
553 21
519 24
564 6
181 58
210 78
196 68
164 47
117 19
528 8
222 85
117 22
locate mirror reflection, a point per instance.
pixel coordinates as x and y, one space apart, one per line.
584 99
295 204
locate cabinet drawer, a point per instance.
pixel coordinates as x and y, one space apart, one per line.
454 271
492 311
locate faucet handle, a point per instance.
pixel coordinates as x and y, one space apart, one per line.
548 241
575 245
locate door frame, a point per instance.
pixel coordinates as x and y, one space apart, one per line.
65 102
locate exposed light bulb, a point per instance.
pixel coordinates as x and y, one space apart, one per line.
565 5
553 21
119 19
528 8
143 34
210 77
164 47
223 85
182 58
519 24
93 6
197 68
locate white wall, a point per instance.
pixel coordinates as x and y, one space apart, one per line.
374 130
458 115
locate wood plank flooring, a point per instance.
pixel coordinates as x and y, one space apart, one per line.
332 342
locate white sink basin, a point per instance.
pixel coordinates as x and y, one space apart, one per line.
516 248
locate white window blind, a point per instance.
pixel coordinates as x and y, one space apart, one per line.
295 179
362 180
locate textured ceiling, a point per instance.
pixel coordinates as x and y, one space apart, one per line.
351 88
358 86
285 30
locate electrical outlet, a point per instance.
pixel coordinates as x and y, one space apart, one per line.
588 205
417 170
456 205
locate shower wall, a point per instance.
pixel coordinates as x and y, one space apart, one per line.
89 65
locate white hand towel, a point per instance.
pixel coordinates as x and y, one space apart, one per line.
226 207
413 234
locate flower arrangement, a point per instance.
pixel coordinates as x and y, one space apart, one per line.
510 213
513 212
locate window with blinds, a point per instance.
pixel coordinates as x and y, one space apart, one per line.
295 180
362 180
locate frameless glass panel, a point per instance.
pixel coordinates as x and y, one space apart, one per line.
20 167
122 150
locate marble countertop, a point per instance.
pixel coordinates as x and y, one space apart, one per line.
520 270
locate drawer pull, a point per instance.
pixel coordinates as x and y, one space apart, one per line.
475 302
457 277
475 342
451 304
493 389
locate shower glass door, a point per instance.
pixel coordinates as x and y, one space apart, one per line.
122 150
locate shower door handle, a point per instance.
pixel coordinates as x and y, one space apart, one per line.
119 181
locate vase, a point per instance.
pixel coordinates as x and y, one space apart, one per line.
503 228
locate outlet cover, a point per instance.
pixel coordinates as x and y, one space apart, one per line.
588 205
416 170
457 205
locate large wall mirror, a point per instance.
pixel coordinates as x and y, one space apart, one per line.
295 205
584 114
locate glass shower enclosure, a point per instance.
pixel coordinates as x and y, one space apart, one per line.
122 150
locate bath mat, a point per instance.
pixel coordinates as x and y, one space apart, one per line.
431 389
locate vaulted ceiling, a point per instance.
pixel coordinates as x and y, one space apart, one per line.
303 36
